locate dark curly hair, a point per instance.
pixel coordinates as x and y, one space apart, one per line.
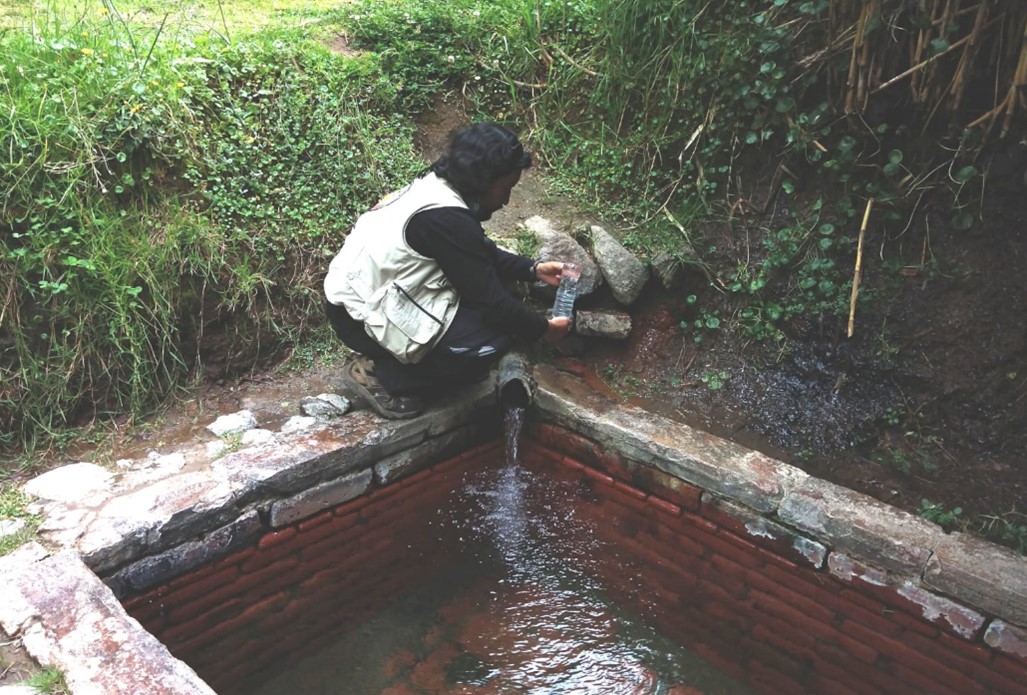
478 156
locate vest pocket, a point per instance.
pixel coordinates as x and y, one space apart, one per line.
412 319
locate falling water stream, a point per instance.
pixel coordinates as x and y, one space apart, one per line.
523 612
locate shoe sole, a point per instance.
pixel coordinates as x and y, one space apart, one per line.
361 392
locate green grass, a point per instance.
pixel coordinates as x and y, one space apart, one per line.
159 182
226 18
14 505
173 169
49 680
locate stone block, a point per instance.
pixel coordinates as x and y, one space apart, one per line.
981 574
234 423
155 518
560 246
856 524
319 498
762 531
98 647
1007 638
603 324
302 460
76 482
909 595
725 468
424 455
623 272
158 569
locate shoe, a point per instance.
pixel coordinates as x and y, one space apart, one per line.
359 377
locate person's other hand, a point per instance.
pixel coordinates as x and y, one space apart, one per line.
549 272
559 327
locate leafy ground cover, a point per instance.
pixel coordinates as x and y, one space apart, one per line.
175 179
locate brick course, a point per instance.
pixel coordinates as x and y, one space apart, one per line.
748 604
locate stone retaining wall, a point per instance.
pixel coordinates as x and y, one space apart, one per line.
796 571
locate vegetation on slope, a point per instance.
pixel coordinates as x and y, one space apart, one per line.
167 182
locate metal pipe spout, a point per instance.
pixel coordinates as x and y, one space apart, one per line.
515 385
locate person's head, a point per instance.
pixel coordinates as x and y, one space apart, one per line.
483 163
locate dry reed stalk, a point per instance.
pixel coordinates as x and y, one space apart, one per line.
930 91
1013 95
1016 90
916 57
859 269
920 66
857 48
958 87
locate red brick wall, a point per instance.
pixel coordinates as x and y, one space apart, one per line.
269 605
750 606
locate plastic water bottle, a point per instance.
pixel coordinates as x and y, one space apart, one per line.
567 291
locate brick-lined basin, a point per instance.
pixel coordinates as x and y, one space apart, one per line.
799 586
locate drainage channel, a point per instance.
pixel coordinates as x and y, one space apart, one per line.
777 580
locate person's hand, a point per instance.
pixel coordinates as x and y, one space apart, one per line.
558 329
549 272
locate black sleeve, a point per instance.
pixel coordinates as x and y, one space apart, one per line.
476 267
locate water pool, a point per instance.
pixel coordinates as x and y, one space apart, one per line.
523 607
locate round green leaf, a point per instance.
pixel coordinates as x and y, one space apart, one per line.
963 220
965 174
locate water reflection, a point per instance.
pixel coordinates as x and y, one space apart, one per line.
547 626
523 611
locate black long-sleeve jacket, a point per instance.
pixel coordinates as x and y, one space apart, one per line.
477 268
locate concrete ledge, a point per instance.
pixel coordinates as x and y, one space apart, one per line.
141 528
855 523
725 468
155 569
68 618
981 573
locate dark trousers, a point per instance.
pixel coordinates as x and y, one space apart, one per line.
464 354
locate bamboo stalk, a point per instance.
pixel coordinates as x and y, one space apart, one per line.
859 269
966 62
857 45
1016 88
920 66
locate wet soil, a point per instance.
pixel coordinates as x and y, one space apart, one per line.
927 399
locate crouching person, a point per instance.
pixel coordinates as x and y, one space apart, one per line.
418 289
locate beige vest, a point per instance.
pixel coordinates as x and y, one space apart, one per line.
403 298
